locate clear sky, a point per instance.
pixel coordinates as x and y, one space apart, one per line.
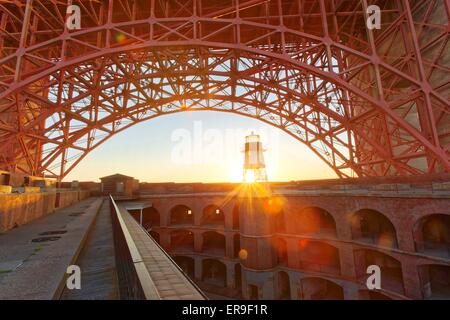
200 146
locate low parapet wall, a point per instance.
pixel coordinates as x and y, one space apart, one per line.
19 209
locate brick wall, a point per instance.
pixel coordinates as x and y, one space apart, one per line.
261 226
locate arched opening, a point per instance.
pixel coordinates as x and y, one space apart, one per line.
150 218
372 295
237 276
281 251
187 264
213 243
373 227
432 235
236 217
136 214
181 214
391 269
315 221
253 292
182 240
236 245
317 256
154 235
214 273
435 281
284 286
213 215
319 289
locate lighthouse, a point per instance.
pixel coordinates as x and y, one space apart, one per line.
254 165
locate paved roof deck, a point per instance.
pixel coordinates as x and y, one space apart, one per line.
36 270
99 279
159 275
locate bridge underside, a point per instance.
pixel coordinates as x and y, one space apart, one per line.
367 102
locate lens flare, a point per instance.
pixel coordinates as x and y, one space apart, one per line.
243 254
120 37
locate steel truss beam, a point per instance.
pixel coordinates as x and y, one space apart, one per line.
367 102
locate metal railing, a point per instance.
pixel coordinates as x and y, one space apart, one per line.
331 269
130 287
436 249
377 239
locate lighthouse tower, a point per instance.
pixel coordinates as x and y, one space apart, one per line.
254 166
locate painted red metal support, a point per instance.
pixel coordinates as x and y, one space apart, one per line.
367 102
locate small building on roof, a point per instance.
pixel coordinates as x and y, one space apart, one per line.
119 185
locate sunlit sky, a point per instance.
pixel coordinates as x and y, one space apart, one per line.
196 146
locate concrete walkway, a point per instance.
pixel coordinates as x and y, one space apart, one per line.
34 257
97 262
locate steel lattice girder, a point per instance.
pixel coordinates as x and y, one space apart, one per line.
368 102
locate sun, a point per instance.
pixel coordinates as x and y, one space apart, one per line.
249 177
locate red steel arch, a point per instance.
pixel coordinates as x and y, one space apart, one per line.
368 102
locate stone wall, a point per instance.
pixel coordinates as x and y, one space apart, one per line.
19 209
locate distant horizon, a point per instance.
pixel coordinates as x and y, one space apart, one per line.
207 182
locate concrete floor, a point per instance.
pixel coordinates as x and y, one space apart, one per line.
97 262
33 263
